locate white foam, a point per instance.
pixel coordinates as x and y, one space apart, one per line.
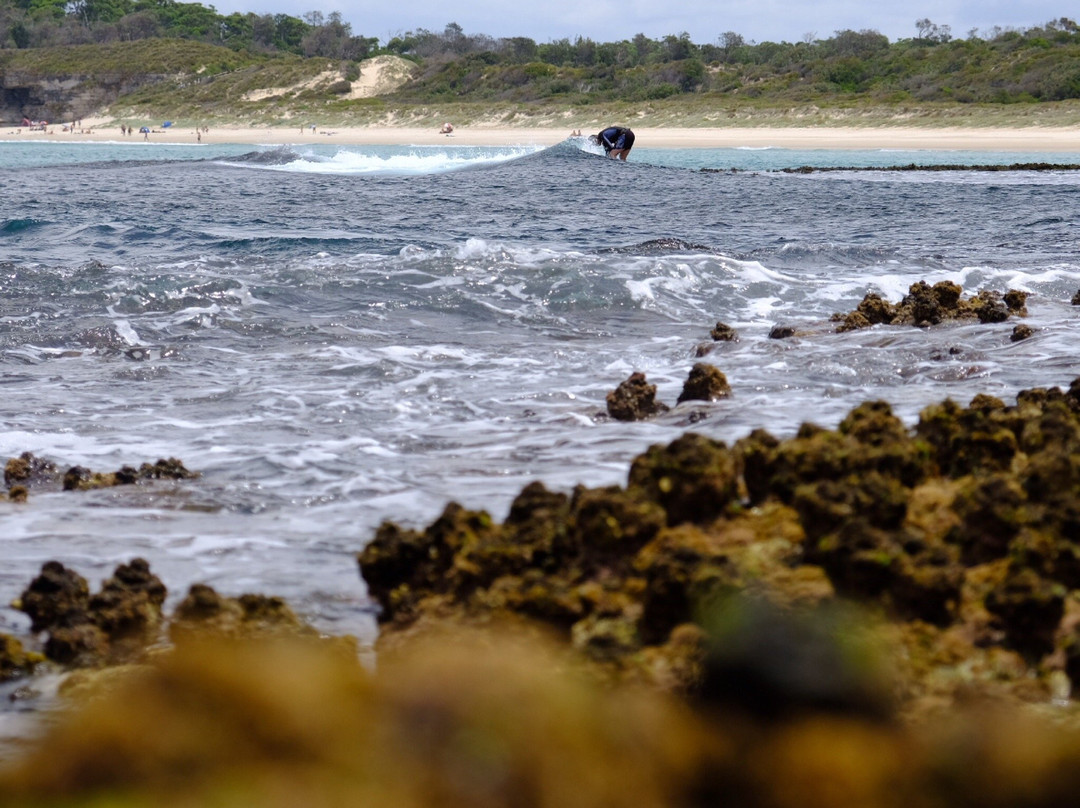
415 160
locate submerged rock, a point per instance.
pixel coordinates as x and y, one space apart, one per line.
78 478
27 469
634 400
1021 332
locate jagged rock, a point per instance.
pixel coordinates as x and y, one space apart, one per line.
693 478
926 305
1021 332
634 400
203 611
78 478
781 332
705 383
722 332
28 469
1030 609
84 629
1016 302
57 596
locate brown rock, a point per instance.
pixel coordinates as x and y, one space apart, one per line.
634 400
705 383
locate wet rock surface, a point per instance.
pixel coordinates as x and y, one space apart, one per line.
634 400
926 305
705 383
29 472
960 532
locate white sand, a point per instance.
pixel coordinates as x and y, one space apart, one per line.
1027 139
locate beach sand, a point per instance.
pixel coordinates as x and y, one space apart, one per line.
1028 139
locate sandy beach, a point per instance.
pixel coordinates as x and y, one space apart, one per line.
1028 139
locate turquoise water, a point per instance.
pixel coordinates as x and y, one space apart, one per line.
46 153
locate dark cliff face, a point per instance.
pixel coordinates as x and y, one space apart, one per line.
61 98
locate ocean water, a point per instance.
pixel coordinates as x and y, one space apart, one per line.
334 336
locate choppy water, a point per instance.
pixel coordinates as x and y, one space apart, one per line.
335 336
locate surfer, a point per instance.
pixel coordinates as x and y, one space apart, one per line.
616 140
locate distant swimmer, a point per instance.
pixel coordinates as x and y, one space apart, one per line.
616 140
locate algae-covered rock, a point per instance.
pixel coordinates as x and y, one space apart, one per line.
57 596
782 332
925 305
967 525
693 478
27 469
79 478
722 332
634 400
204 612
85 629
1030 609
705 383
15 660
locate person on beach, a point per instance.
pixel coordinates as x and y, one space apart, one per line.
616 140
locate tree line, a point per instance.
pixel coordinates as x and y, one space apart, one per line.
1041 63
50 23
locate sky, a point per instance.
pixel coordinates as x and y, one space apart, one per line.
704 20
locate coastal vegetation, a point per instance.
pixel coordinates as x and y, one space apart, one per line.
187 61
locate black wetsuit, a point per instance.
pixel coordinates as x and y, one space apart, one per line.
616 138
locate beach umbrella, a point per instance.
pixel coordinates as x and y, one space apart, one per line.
166 125
143 129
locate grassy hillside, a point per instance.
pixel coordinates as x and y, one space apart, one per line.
853 78
142 57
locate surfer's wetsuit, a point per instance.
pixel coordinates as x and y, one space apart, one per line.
616 138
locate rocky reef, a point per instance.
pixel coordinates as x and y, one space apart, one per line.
28 471
962 536
926 305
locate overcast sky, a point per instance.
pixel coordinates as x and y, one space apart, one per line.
704 20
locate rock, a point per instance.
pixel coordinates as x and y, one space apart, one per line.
1076 299
85 629
722 332
28 469
990 307
204 612
1021 332
705 383
15 661
634 400
782 332
1030 609
78 478
693 478
57 596
1016 302
925 305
